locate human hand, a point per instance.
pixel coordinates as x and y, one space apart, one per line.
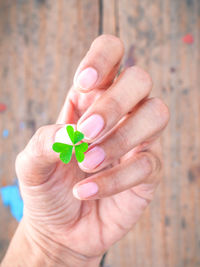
77 211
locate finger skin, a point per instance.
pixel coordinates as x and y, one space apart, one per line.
66 114
38 156
142 126
132 86
147 189
126 175
104 56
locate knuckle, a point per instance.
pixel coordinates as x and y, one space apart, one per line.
146 164
147 188
154 164
122 139
37 143
113 107
157 165
112 39
162 110
19 160
112 42
143 77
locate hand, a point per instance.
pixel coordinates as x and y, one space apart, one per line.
83 209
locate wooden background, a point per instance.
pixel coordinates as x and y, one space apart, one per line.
41 44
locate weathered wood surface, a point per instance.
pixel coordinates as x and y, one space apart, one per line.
41 44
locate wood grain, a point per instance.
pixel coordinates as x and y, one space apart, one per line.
168 233
41 44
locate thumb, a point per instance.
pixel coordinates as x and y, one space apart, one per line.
35 164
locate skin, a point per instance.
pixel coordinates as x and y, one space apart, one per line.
59 227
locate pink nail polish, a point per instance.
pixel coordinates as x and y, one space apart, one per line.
92 126
85 190
87 78
93 158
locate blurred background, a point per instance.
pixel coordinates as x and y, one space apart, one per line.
41 45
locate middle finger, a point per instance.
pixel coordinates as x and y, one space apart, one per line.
130 88
143 125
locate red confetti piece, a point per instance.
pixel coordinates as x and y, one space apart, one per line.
188 39
3 107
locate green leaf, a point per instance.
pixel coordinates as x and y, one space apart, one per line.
78 136
79 155
70 131
79 151
65 150
59 147
66 155
83 147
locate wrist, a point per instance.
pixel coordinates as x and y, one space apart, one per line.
28 248
21 252
56 254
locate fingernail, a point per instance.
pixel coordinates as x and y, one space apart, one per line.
93 158
85 190
62 136
87 78
92 126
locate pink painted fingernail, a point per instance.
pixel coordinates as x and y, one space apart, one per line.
93 158
85 190
92 126
87 78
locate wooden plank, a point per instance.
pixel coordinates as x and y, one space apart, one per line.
168 232
41 44
110 17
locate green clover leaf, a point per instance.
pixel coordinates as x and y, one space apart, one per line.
70 131
79 151
66 150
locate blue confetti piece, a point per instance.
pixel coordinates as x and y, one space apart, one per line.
11 197
5 133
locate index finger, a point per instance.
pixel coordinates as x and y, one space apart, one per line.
100 65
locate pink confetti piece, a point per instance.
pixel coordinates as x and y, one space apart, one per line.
3 107
188 39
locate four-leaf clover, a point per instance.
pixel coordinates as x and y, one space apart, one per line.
66 150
